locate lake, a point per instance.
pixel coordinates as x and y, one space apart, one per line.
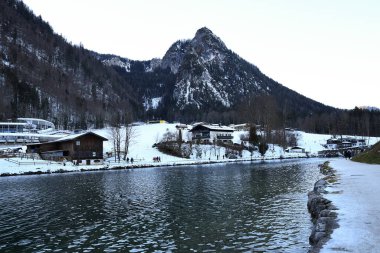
258 207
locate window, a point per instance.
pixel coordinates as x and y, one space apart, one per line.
77 143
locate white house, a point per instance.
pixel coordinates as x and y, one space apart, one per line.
210 133
335 143
295 149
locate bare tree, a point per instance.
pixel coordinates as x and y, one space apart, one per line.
116 139
129 137
179 140
116 136
292 139
129 134
169 136
198 151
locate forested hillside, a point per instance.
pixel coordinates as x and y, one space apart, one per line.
42 75
198 79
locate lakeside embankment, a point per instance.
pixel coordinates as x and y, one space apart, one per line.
352 196
322 210
18 167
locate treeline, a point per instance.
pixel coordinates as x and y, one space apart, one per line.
266 111
273 114
349 122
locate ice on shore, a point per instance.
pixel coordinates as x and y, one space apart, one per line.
356 195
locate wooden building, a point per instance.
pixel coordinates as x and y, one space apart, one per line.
85 148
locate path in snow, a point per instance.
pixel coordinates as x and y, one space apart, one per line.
359 208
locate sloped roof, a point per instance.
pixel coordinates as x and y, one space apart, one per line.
214 128
71 137
76 136
296 147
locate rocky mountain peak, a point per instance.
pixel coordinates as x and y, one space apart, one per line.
205 39
202 31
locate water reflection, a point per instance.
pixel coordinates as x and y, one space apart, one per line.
234 207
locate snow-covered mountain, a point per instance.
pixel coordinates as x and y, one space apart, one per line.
42 75
209 74
203 75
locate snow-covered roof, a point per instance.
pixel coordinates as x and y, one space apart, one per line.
296 147
75 136
214 127
72 137
12 124
35 119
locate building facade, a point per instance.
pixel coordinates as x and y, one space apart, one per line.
342 143
25 125
211 133
85 148
12 127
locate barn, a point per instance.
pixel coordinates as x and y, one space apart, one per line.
85 148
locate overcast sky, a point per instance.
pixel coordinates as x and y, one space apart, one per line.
328 50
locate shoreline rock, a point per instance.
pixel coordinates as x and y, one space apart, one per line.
321 210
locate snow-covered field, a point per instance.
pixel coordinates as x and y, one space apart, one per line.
142 152
358 203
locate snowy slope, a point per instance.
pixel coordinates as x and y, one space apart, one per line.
144 138
142 150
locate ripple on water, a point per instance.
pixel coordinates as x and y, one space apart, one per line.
236 207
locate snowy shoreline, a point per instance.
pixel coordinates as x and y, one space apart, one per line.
52 168
143 151
355 196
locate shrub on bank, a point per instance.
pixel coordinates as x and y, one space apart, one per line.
371 156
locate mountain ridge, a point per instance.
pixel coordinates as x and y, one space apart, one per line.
211 77
198 79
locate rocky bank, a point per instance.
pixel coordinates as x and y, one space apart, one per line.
321 210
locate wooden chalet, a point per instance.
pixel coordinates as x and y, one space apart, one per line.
84 148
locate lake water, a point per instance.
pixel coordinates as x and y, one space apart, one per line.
254 207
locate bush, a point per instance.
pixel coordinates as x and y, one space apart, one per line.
172 148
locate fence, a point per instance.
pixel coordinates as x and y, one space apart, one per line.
113 162
18 162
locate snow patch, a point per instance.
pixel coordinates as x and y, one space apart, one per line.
116 61
152 104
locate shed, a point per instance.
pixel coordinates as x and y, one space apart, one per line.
83 148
